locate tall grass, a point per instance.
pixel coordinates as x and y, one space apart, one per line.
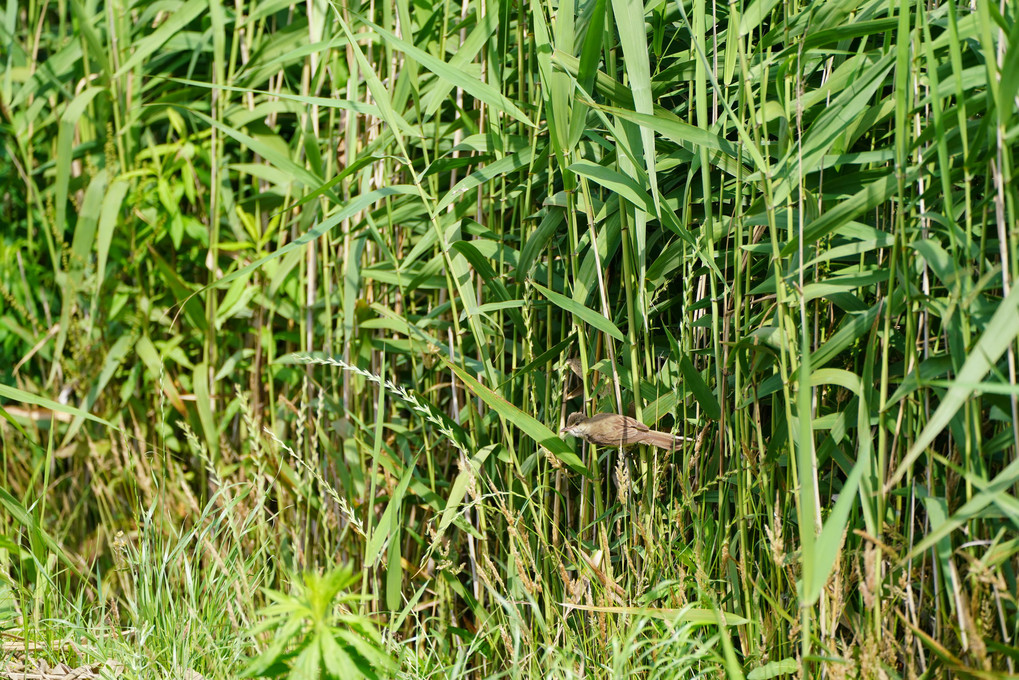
291 285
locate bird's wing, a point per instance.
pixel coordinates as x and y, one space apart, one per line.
633 423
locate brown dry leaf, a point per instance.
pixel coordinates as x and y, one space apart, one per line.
32 669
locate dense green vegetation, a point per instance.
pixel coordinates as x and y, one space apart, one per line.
296 298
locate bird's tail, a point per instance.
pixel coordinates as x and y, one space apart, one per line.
662 440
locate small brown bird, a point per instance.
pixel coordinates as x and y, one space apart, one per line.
610 429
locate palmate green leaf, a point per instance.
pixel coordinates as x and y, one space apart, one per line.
338 663
306 665
372 657
271 662
527 424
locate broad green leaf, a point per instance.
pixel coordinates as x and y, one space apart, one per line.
476 88
867 198
389 516
828 542
348 210
108 218
585 314
149 43
20 515
999 334
527 424
465 54
491 171
459 488
754 15
35 400
774 669
203 402
805 157
702 393
629 16
111 362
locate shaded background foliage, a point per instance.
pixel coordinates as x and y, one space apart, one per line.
319 268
